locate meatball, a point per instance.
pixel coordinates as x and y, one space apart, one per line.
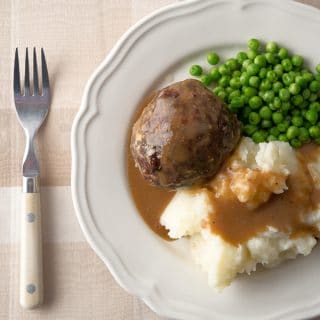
183 135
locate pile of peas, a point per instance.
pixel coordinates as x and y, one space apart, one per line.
273 94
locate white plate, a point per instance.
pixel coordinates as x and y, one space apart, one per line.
156 51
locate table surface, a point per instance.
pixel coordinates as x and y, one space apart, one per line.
76 35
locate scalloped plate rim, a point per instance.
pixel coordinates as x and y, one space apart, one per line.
83 118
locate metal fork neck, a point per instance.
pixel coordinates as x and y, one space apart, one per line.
30 185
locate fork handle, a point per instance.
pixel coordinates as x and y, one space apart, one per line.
31 277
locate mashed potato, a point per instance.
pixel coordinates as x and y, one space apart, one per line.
187 213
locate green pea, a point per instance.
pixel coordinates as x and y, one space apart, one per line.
287 79
261 94
229 90
277 103
304 135
295 112
232 64
237 102
294 88
224 69
312 116
297 100
206 79
254 81
266 124
295 143
284 94
255 102
278 69
314 86
268 96
254 118
217 89
213 58
286 64
244 79
274 131
253 44
292 132
293 74
215 74
282 127
271 58
317 76
306 93
313 97
224 81
318 68
263 73
222 95
283 53
265 113
259 136
252 54
285 106
315 106
308 76
246 63
283 137
235 83
249 92
271 138
265 85
277 117
297 60
297 121
314 132
236 73
241 57
234 94
272 47
277 86
250 129
272 76
299 80
195 70
260 60
252 69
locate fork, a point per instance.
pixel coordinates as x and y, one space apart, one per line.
32 107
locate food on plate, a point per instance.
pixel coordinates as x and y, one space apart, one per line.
272 92
240 201
261 208
183 135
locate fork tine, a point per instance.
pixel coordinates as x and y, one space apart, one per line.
26 76
35 73
16 74
45 76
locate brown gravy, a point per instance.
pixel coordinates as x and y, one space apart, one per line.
233 220
236 223
150 201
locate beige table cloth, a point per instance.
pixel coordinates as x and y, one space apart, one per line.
77 35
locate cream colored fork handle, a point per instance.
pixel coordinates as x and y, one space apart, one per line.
31 282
